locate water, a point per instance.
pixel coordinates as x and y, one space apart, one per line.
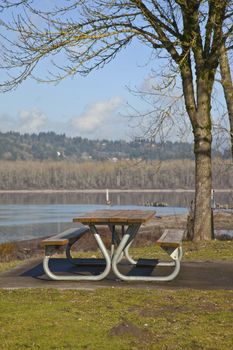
30 215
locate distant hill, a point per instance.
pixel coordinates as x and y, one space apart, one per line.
49 145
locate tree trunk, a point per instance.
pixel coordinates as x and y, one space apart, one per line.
199 113
203 229
228 89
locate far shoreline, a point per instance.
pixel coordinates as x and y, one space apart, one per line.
51 191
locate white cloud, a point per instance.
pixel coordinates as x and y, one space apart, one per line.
31 121
7 123
27 121
98 120
96 115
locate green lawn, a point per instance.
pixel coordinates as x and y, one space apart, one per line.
212 250
114 318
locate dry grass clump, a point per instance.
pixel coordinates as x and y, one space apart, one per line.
20 250
8 251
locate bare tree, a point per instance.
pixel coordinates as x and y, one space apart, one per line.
89 34
227 84
163 114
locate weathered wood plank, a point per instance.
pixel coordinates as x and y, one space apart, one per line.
171 238
115 217
64 237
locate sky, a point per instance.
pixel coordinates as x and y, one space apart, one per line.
95 106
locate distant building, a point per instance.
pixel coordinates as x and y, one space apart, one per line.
138 139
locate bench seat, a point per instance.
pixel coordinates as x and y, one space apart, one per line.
171 238
65 237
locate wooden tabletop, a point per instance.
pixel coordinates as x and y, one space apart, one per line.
116 217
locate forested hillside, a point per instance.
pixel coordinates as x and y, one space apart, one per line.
14 146
51 161
123 174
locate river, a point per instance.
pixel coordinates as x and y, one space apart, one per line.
29 215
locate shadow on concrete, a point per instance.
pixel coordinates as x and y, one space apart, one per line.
193 275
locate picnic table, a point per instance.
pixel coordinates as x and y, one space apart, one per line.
129 222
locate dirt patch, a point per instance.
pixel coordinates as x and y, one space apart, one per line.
171 308
127 328
164 310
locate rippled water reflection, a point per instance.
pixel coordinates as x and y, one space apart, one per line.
30 215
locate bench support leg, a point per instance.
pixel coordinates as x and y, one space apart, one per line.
51 250
178 255
175 254
128 256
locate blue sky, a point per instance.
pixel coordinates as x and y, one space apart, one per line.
95 106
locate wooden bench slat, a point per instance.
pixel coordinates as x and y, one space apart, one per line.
171 238
115 216
64 237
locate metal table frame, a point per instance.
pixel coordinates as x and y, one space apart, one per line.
119 248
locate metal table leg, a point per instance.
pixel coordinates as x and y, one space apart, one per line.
116 241
50 251
125 242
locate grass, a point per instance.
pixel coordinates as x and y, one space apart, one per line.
204 251
4 266
116 319
7 251
122 319
213 250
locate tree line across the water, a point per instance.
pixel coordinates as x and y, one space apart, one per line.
49 145
124 174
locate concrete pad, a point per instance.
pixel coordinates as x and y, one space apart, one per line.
193 275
